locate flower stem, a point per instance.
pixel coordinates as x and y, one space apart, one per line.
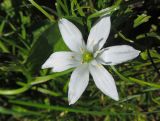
51 18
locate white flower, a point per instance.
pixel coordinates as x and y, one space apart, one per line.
89 58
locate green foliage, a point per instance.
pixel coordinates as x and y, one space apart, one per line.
140 20
43 47
29 34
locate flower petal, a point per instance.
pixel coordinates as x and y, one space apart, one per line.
104 80
117 54
78 83
99 34
61 61
71 35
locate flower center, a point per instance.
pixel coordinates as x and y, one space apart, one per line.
87 57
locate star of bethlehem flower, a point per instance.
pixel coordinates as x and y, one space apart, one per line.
88 59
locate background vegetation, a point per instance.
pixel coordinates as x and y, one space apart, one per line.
29 34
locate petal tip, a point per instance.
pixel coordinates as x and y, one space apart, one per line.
62 20
138 51
116 98
43 66
71 102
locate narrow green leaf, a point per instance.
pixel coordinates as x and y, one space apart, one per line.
106 11
141 82
140 20
43 79
63 6
14 91
3 47
51 18
57 108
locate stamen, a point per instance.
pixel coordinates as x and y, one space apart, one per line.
99 65
82 50
87 57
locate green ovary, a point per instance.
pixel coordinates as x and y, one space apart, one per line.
87 57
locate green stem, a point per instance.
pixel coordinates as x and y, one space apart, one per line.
83 111
14 91
38 80
51 18
141 82
62 108
125 38
144 82
43 79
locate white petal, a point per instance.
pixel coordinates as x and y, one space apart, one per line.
78 83
104 81
61 61
117 54
71 35
99 34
